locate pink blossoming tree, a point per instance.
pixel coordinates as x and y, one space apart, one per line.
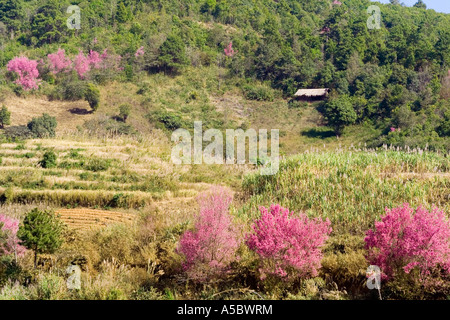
229 51
405 239
289 246
139 52
212 245
27 72
59 62
81 64
12 245
95 59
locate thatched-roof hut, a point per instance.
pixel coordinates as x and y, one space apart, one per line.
311 93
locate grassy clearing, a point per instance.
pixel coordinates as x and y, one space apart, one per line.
351 188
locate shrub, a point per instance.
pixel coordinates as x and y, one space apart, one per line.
27 72
41 231
5 117
92 96
288 246
58 61
405 240
11 243
169 120
43 126
125 111
97 164
260 93
72 90
49 160
81 64
18 132
211 247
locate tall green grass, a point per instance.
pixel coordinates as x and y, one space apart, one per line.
352 189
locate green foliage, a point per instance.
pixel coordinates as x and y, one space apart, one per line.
172 54
123 13
41 231
339 113
5 117
43 126
11 13
92 96
18 132
70 90
97 164
125 111
260 93
420 4
47 25
49 160
169 120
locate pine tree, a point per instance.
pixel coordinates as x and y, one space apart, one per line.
420 4
5 117
41 231
173 54
122 13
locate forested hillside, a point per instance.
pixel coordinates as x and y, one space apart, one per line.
394 77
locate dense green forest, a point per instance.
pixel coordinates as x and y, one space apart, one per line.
395 78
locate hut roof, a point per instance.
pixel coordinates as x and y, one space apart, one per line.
311 92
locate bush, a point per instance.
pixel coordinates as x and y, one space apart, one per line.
211 247
125 111
18 132
170 121
405 240
5 117
72 90
104 125
43 126
49 160
92 96
288 246
295 104
8 232
97 164
260 93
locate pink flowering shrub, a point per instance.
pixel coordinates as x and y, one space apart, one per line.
94 59
12 245
27 72
211 246
58 61
81 64
229 51
405 239
139 52
288 246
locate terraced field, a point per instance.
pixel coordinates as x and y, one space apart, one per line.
88 219
97 173
97 182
